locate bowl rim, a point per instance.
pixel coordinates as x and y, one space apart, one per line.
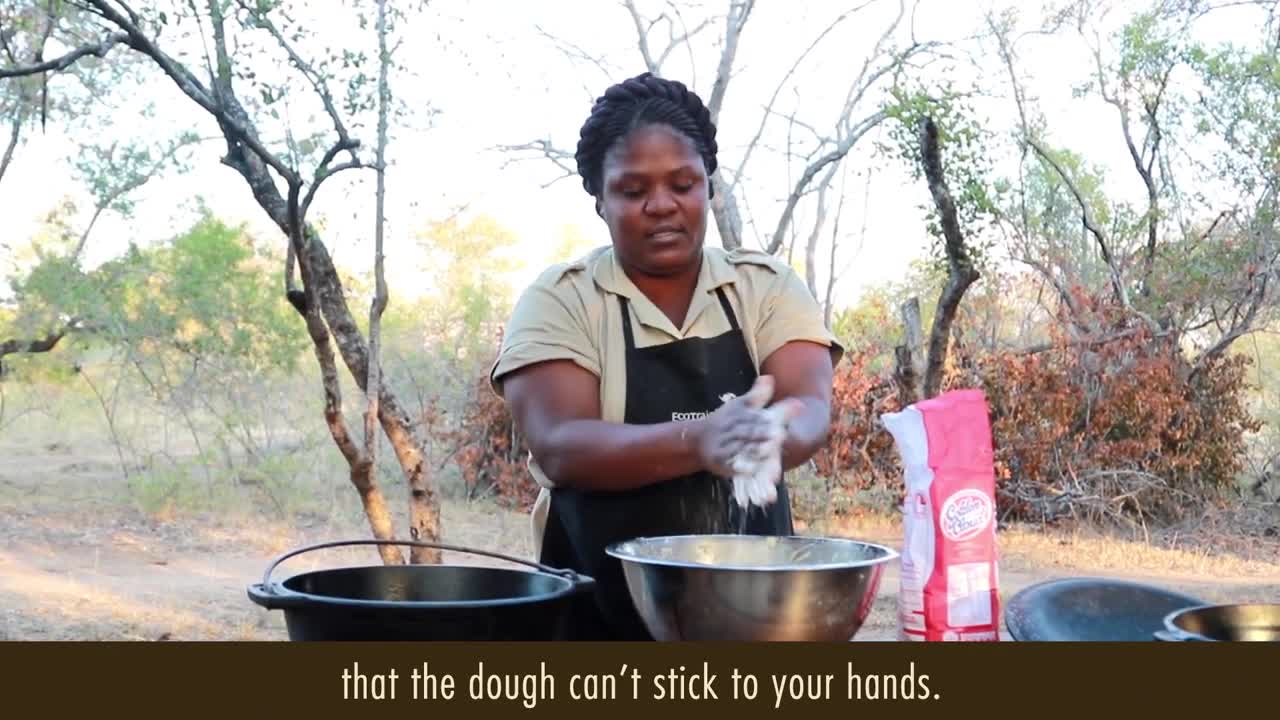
887 554
1172 624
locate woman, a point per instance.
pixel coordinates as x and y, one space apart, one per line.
638 373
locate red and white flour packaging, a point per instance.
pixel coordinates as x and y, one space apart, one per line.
949 574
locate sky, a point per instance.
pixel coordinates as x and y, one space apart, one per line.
489 73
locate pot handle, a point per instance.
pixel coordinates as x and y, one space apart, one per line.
263 595
577 579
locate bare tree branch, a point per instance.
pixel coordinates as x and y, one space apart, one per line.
544 150
1239 327
819 223
735 22
323 173
204 42
848 131
373 384
102 204
1089 342
861 82
190 86
688 46
63 62
1053 280
834 276
768 108
642 37
841 150
683 39
1142 162
14 134
38 345
1213 225
345 142
1086 217
1259 290
575 53
835 241
5 35
333 151
793 121
725 210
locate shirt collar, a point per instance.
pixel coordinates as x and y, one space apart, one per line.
715 272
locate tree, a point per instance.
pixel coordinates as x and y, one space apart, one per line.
814 148
284 166
1133 405
911 356
112 173
1185 265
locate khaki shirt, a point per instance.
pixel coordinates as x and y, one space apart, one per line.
571 312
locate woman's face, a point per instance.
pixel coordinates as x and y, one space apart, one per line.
655 201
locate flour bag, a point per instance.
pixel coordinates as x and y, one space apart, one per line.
949 575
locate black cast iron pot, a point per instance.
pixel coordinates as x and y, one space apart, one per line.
424 602
1091 609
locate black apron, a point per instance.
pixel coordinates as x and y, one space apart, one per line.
684 376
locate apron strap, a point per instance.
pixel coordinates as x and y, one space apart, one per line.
626 323
728 309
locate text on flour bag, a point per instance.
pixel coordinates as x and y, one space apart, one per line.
949 569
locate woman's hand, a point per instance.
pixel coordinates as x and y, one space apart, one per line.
742 429
802 373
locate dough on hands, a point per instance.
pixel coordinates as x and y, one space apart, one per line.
758 466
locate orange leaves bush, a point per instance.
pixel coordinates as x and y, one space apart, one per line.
859 454
1120 427
488 452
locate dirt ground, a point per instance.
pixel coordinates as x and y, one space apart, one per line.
78 561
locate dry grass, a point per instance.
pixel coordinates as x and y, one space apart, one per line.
1222 546
82 560
126 576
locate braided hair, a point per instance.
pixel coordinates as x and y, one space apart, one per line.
636 103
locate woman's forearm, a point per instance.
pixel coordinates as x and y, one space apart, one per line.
807 433
600 455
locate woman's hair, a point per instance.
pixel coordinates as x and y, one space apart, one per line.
635 103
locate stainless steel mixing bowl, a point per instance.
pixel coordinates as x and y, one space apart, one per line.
752 588
1240 622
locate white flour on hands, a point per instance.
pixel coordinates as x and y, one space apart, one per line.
758 467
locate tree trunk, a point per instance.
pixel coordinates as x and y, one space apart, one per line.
819 222
909 357
725 210
961 273
913 385
424 506
424 515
